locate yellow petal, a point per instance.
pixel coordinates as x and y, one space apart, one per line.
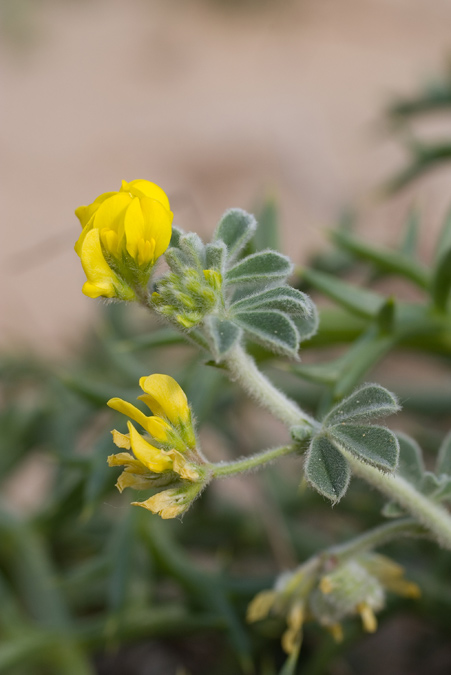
260 606
121 440
167 504
155 460
110 214
144 188
157 224
368 617
133 226
165 398
134 481
84 213
127 460
128 409
101 280
159 429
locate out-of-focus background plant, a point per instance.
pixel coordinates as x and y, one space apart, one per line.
89 584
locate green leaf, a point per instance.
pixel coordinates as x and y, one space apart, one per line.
386 317
370 401
215 256
376 445
411 466
392 510
194 249
268 266
386 260
409 244
441 283
283 298
177 232
224 334
273 329
326 469
267 235
359 301
235 229
444 457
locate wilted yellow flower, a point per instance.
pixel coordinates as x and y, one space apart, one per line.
171 458
124 233
353 587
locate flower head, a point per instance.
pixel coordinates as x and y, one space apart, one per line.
123 235
168 456
329 591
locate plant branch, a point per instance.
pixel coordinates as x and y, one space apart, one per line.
252 462
244 370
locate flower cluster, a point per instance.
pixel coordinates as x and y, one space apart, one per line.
124 233
168 456
328 591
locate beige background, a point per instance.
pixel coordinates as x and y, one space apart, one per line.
216 105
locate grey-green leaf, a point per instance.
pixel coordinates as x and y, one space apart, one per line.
307 325
224 335
274 329
326 469
283 298
235 229
444 457
268 266
215 255
411 466
369 401
376 445
194 249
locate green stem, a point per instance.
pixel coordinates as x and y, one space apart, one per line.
244 370
431 515
378 536
252 462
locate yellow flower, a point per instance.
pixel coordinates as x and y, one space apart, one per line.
171 459
123 235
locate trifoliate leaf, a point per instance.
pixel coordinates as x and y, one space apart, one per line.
224 334
410 466
326 469
235 229
273 329
444 457
375 445
370 401
268 266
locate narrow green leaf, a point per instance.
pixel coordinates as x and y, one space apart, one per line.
411 465
444 457
268 266
274 329
267 235
385 260
409 244
376 445
359 301
370 401
441 283
386 317
444 238
235 229
326 469
223 333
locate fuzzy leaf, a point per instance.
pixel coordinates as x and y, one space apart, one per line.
444 457
194 249
177 232
268 266
376 445
411 466
284 298
370 401
224 334
307 325
274 329
235 229
267 235
215 255
326 469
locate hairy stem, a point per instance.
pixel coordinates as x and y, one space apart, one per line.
378 536
249 463
244 370
431 515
